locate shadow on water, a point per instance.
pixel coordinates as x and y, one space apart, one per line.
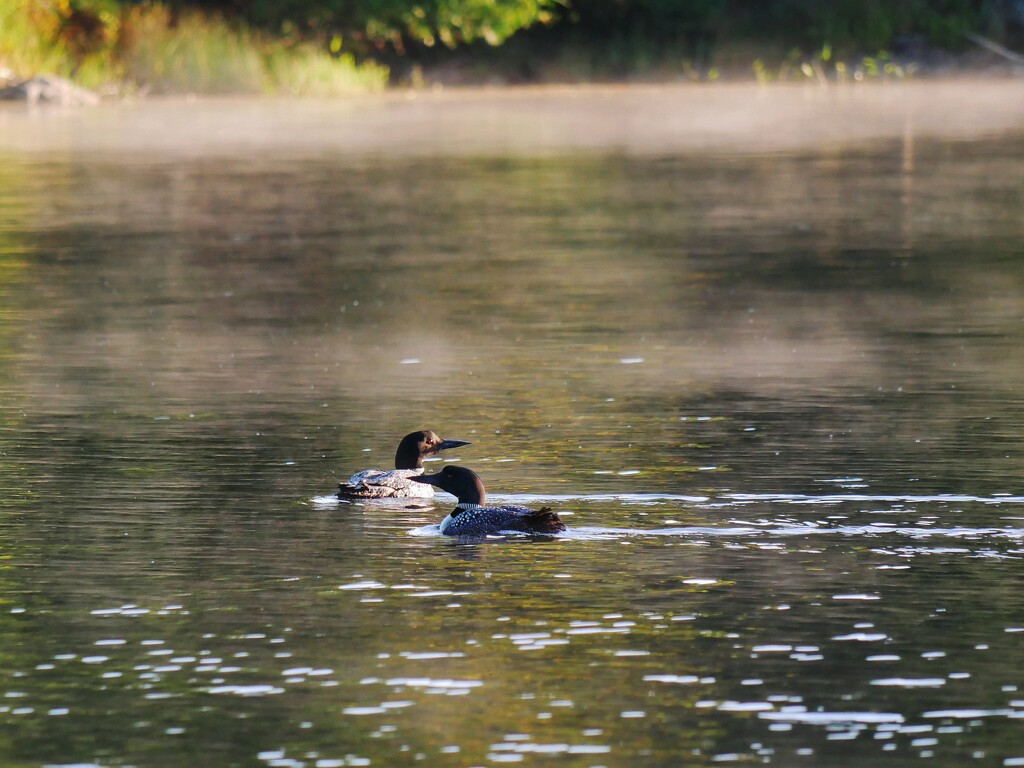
768 367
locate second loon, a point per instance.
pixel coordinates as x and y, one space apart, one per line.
471 517
396 483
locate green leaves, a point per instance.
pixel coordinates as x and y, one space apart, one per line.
450 22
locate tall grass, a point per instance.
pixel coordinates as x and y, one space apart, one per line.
146 48
306 71
192 54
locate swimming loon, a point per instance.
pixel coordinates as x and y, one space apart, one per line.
472 518
395 483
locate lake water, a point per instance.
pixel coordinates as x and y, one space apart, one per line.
763 348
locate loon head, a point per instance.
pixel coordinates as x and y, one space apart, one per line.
458 481
416 445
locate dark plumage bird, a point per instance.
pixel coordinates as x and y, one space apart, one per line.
397 482
471 517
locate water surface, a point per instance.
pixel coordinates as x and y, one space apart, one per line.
763 348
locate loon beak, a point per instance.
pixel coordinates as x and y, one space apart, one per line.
444 445
428 479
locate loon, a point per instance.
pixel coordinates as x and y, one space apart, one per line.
472 518
395 483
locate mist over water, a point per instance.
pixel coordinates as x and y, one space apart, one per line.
531 122
761 348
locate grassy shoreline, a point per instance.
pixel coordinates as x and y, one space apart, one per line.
147 49
736 63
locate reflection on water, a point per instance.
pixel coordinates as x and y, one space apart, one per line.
775 393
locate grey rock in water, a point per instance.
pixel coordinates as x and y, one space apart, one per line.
49 89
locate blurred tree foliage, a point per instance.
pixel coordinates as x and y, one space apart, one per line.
400 24
867 24
36 35
391 23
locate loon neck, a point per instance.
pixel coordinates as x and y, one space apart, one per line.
472 494
464 506
408 457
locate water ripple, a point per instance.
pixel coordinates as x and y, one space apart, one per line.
783 530
735 499
836 498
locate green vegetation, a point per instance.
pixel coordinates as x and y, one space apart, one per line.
343 46
30 38
791 39
399 23
149 48
205 54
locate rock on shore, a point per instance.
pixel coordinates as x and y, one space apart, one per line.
49 89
